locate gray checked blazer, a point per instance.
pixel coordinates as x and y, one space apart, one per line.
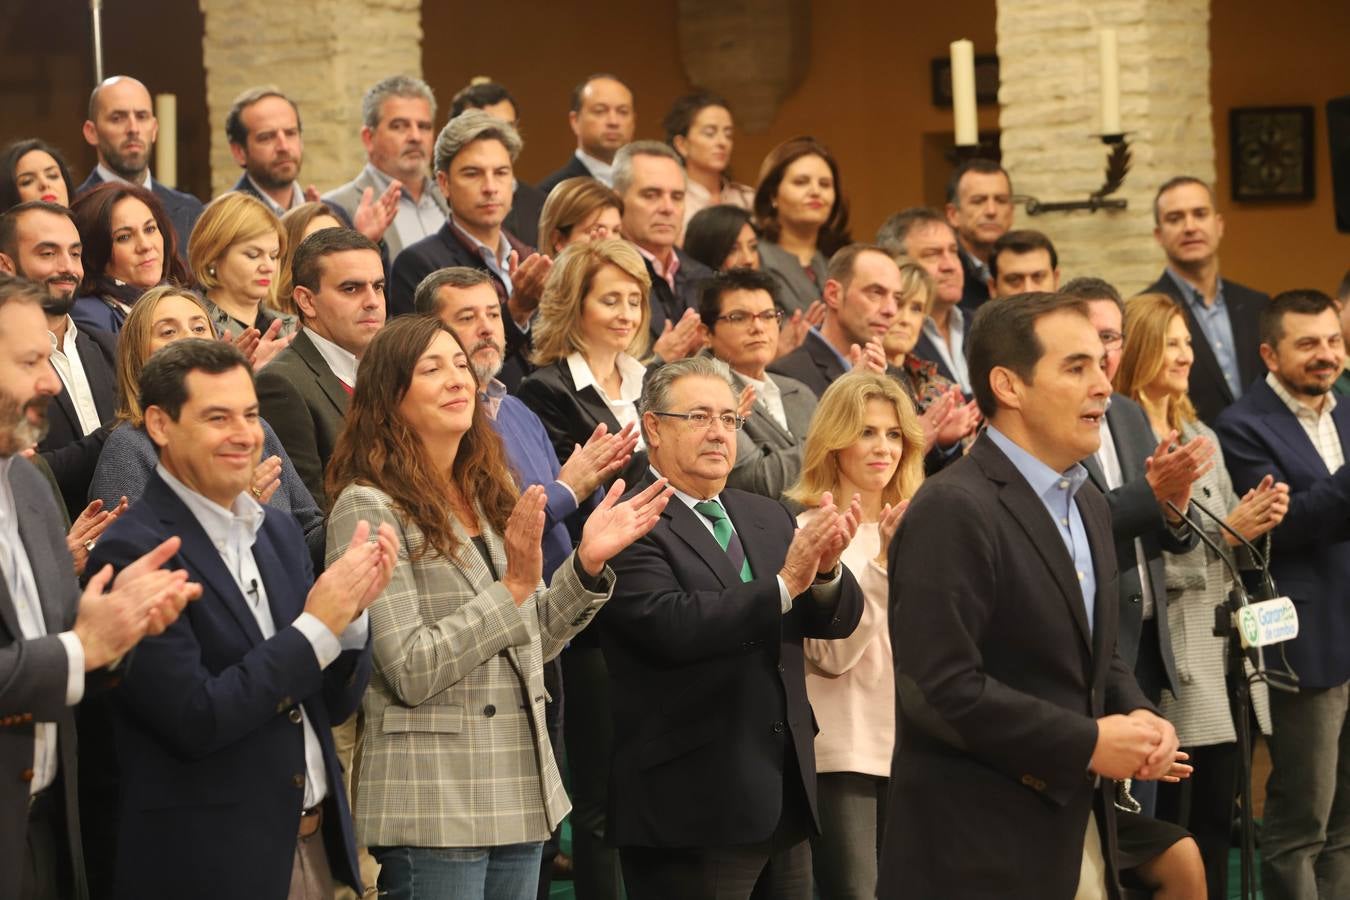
455 751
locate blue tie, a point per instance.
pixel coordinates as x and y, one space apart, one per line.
726 535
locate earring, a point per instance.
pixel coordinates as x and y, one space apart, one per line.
211 270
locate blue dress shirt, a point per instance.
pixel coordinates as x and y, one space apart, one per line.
1216 327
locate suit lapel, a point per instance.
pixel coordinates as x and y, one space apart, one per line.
280 601
824 357
102 381
684 522
45 580
1246 325
588 399
1099 543
328 382
1095 473
1204 354
753 532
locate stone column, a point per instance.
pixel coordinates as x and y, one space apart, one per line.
323 54
1050 105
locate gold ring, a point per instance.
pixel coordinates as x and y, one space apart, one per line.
256 493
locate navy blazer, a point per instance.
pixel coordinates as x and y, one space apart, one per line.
207 720
575 168
1310 550
527 204
814 364
183 209
1208 389
71 455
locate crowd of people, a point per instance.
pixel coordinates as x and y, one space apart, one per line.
419 514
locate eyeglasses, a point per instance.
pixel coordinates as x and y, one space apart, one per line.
741 317
1111 339
700 419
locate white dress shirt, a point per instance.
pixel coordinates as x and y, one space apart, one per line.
1115 477
602 172
342 362
24 595
768 393
631 373
234 531
66 362
954 353
297 197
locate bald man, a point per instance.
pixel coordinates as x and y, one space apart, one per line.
122 128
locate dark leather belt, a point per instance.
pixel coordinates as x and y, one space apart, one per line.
310 820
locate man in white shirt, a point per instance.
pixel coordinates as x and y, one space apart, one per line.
603 119
51 634
230 781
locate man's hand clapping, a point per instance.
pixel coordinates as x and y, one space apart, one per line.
359 576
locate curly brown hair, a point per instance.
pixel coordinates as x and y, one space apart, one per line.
378 448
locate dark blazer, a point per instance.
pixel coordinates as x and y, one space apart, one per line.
33 677
1310 550
668 305
523 220
570 415
1135 513
975 289
769 456
814 364
1209 391
998 683
574 169
244 186
306 405
71 456
708 683
448 248
924 349
207 721
183 209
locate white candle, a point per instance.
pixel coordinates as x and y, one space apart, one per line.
963 93
1110 82
166 145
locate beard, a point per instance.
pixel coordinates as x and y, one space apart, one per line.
487 370
22 425
58 304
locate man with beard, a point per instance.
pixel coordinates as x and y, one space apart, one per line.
39 241
51 634
123 128
1291 426
398 115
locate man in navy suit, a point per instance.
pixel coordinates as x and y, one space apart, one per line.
230 784
1290 425
603 120
122 127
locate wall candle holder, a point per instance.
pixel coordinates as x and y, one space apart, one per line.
1117 167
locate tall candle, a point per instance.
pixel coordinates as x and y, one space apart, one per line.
1110 81
963 93
166 145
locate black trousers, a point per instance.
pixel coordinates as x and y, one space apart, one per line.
46 863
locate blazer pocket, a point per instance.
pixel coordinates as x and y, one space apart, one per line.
432 719
674 744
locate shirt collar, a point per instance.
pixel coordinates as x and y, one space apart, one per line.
1044 481
501 253
666 273
109 175
1192 293
343 362
68 342
688 500
217 521
631 373
1298 409
600 171
382 182
297 196
493 394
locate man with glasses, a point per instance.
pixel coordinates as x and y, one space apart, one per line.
712 785
1139 475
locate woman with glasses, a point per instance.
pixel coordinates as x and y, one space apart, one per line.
741 321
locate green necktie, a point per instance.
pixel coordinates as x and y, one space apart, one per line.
725 534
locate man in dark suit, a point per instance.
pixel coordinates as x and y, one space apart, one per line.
122 127
1013 707
980 211
235 699
650 178
712 786
51 635
303 393
1289 425
861 299
1223 316
39 241
603 119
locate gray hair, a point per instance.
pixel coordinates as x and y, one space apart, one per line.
656 389
623 161
474 125
394 86
424 298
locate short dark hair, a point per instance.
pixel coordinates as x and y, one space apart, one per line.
93 211
581 87
305 265
1303 301
1004 334
835 232
9 223
480 93
845 261
1177 181
425 300
235 130
740 279
1089 288
9 160
979 166
685 109
1019 241
893 232
163 381
713 231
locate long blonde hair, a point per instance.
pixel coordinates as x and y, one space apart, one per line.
557 330
1147 318
838 423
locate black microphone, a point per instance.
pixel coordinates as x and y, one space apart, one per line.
253 590
1239 592
1267 591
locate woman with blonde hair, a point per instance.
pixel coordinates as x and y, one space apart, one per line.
865 441
160 317
1155 366
589 334
233 253
578 209
299 222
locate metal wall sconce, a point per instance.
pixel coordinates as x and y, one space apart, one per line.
1117 167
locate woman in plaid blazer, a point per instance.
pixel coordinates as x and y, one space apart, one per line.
456 785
